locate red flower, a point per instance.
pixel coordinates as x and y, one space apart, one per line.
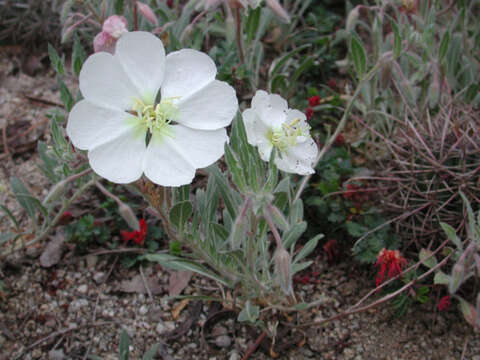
138 236
331 248
314 100
309 113
391 263
332 83
444 303
339 141
65 218
170 3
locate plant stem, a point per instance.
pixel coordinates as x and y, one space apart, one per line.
271 225
238 21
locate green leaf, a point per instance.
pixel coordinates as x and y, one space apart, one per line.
469 312
123 346
426 258
452 235
355 229
118 5
151 354
249 313
176 263
359 55
252 23
441 278
180 213
6 237
472 92
23 196
291 236
397 40
279 62
10 215
55 60
78 56
65 95
297 267
442 51
308 248
279 219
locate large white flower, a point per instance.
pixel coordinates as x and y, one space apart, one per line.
144 112
269 124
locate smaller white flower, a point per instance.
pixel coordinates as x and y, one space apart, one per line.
270 124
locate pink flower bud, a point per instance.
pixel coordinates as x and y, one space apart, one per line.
147 13
115 26
104 42
283 268
127 214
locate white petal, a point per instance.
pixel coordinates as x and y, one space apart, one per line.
120 160
90 125
143 58
265 150
249 120
298 159
254 127
173 161
104 82
271 108
186 72
211 108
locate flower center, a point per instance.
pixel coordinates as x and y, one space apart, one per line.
287 135
157 118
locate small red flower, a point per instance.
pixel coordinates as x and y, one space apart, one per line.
332 83
391 263
170 3
314 100
339 141
138 236
309 113
65 218
444 303
331 248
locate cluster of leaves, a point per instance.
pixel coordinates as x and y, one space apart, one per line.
346 209
466 266
233 243
419 108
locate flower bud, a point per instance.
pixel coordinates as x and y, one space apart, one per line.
115 26
127 214
104 42
55 192
278 10
283 269
352 18
147 13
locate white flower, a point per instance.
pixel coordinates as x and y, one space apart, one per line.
269 124
127 133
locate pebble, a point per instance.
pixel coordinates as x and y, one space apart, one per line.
348 353
56 355
98 277
234 355
223 341
161 328
82 289
143 309
78 304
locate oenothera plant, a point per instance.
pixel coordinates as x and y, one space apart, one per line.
149 121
